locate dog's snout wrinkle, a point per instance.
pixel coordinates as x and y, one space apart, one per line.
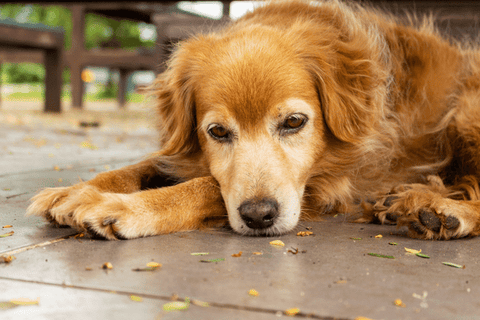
259 213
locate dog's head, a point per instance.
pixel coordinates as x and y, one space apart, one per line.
263 108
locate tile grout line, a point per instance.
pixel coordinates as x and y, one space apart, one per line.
37 245
169 298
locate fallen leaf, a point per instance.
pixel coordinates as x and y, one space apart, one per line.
153 264
107 265
25 301
253 292
57 168
5 305
293 251
380 255
399 303
378 236
292 311
136 298
88 269
413 251
393 243
176 305
304 233
236 255
277 243
341 281
199 254
7 234
212 260
7 226
8 259
363 318
257 253
450 264
421 255
88 145
356 238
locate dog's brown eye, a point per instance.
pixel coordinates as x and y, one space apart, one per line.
293 123
220 133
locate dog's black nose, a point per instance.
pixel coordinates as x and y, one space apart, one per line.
259 213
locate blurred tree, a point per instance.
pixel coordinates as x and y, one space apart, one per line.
100 32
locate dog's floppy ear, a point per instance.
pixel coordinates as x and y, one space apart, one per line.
174 91
351 81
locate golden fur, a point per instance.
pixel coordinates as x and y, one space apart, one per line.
299 109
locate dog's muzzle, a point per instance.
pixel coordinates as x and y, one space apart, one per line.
259 213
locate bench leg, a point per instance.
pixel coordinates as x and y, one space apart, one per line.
53 81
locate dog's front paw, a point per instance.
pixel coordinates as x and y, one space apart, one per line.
42 204
428 214
85 209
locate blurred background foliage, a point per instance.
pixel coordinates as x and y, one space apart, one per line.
100 32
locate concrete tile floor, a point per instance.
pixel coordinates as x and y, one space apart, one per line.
331 277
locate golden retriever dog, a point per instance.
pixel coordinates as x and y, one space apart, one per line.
295 110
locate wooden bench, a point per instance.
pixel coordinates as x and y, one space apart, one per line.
44 38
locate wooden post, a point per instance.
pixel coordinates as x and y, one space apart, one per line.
76 52
122 87
53 80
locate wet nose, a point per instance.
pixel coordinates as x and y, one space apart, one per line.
259 213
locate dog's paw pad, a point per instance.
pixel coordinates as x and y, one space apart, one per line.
451 223
430 220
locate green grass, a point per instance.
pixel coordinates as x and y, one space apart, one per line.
66 95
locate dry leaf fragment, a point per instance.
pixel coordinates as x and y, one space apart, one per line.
278 243
199 253
7 226
8 259
107 265
341 281
88 268
136 298
292 311
399 303
362 318
257 253
378 236
177 305
7 234
57 168
253 292
25 301
412 251
236 255
153 264
304 233
450 264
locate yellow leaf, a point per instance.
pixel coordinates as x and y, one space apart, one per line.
253 292
136 298
399 303
154 265
378 236
25 301
175 305
278 243
107 265
7 226
304 233
292 311
413 251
